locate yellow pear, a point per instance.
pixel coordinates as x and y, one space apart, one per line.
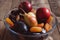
31 21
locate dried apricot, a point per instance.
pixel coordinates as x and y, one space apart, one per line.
41 25
8 20
48 27
36 29
49 19
17 17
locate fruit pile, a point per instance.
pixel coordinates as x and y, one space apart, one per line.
28 20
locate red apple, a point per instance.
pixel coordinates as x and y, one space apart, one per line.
26 6
42 14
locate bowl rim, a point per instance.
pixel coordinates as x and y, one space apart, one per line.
37 35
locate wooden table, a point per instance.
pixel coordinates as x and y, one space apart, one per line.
5 6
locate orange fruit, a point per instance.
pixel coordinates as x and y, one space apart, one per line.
48 27
8 20
36 29
41 25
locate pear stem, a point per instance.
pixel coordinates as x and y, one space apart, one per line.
22 10
21 14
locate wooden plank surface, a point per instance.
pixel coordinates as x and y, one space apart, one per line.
5 6
55 6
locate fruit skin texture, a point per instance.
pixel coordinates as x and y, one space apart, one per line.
48 27
49 20
20 27
31 21
41 25
34 11
32 14
26 6
17 18
13 15
8 20
42 14
35 29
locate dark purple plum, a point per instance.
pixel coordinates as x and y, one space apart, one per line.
20 27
